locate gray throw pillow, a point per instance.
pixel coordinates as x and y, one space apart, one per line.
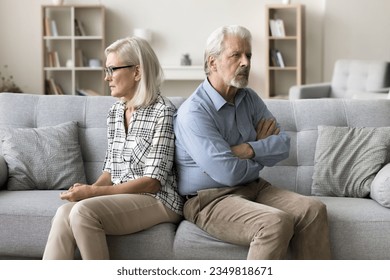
347 159
380 187
42 158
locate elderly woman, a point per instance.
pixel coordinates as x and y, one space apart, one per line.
137 188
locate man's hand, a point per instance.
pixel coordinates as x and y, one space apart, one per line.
243 151
265 128
77 192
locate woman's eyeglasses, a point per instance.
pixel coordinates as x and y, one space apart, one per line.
109 71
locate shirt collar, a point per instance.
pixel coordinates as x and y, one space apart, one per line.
217 99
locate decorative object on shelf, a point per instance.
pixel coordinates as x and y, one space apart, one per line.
143 33
69 63
8 84
58 2
185 60
286 2
94 63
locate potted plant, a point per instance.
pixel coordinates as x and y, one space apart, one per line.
7 83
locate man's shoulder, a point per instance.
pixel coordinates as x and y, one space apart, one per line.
196 101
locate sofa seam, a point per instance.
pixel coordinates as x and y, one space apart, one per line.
345 112
37 100
293 107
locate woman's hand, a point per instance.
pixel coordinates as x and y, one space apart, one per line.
77 192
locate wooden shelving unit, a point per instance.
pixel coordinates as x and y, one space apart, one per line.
288 41
73 48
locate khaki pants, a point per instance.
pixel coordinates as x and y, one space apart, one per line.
265 218
85 223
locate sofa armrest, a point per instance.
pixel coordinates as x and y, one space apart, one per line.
3 172
321 90
370 95
381 90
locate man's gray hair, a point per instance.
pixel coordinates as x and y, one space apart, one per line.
215 46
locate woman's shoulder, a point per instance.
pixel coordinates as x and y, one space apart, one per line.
163 103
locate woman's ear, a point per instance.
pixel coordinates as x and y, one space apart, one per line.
137 73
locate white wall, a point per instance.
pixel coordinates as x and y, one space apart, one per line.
355 29
178 26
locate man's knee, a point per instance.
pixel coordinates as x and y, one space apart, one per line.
312 210
278 225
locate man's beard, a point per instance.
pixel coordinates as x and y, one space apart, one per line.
240 79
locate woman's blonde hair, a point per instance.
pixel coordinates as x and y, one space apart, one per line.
136 51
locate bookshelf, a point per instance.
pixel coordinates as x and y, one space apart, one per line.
73 43
284 49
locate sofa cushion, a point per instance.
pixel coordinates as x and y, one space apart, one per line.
380 187
359 228
43 158
347 159
26 217
191 242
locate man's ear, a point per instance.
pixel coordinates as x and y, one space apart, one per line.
212 61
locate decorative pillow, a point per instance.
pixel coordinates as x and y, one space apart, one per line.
380 187
347 159
42 158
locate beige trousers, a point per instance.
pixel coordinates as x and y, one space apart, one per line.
265 218
85 223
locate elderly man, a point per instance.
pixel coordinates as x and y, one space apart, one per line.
225 135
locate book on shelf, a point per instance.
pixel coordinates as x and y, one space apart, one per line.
54 30
277 28
280 28
80 59
277 58
47 27
52 88
79 28
280 58
50 27
53 59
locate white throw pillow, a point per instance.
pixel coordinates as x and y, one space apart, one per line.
380 187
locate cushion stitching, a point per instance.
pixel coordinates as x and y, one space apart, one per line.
345 112
296 129
36 101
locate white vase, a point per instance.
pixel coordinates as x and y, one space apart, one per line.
58 2
286 2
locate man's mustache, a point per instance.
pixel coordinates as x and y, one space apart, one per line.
243 71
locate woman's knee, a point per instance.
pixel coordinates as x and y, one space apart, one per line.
62 213
82 214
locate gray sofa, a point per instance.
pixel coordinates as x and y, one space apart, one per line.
359 227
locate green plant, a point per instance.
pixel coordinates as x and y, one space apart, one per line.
7 83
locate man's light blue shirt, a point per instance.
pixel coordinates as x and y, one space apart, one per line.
206 126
